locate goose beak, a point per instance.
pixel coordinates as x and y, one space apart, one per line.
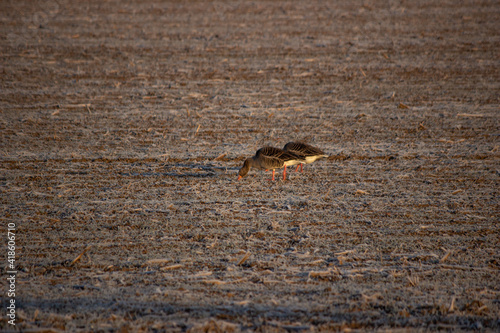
239 177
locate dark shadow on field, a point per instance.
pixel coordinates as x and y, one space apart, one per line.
334 314
206 171
133 309
170 174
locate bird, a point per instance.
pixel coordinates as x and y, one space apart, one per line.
307 152
270 158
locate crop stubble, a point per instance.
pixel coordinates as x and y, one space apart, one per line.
123 126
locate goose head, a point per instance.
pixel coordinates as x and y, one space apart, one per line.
245 168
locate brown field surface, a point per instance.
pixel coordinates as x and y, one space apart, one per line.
123 126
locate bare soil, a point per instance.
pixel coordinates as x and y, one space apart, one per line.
123 126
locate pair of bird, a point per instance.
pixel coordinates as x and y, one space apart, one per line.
270 158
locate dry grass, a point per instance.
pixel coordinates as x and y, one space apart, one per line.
123 126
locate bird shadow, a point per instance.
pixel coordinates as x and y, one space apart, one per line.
184 170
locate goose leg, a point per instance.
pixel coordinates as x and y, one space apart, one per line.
273 174
284 173
300 165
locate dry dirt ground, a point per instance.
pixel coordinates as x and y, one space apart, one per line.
123 126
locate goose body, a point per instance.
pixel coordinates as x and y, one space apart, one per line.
270 158
307 152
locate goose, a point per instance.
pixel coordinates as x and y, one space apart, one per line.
307 152
270 158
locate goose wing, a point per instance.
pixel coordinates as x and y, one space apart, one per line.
274 158
303 149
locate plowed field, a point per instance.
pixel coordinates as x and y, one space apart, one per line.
123 125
